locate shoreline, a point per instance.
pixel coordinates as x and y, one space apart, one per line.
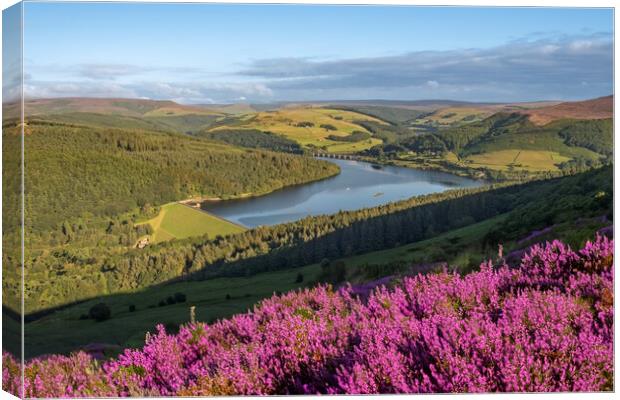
461 172
251 195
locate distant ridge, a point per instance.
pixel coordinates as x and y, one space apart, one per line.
118 106
539 112
600 108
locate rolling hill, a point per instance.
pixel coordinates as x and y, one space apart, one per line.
600 108
451 116
98 169
121 106
513 143
87 187
310 127
122 113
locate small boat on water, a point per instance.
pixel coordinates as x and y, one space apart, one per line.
378 194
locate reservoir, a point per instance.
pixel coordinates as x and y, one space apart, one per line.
359 185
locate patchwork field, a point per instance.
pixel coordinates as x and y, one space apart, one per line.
529 160
541 142
178 221
310 127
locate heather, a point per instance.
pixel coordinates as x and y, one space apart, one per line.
546 325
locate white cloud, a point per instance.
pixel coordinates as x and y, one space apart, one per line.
533 69
34 89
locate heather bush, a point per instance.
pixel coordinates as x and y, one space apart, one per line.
546 325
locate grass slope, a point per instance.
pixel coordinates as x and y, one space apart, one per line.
528 160
454 116
505 146
64 331
393 115
111 106
179 221
121 113
600 108
288 122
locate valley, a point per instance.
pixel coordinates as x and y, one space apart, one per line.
358 185
436 184
227 199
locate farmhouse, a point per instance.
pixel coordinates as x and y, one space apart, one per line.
142 243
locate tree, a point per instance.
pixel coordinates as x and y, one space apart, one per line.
300 278
100 312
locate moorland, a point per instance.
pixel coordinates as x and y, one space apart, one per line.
113 189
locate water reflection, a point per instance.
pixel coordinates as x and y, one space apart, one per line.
359 185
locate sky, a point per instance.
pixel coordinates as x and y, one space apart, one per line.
201 53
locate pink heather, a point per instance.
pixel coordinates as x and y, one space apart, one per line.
544 326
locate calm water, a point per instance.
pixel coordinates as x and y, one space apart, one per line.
358 185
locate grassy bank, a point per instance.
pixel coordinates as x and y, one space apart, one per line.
179 221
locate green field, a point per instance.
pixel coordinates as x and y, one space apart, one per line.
528 160
64 331
178 221
536 141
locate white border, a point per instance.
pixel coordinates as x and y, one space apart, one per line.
483 3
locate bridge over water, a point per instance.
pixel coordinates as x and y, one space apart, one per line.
337 156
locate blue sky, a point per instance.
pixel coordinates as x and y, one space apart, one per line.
200 53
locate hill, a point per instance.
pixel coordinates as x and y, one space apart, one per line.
88 187
91 184
122 113
450 116
236 108
422 105
120 169
501 146
128 107
503 329
310 127
393 115
600 108
516 217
